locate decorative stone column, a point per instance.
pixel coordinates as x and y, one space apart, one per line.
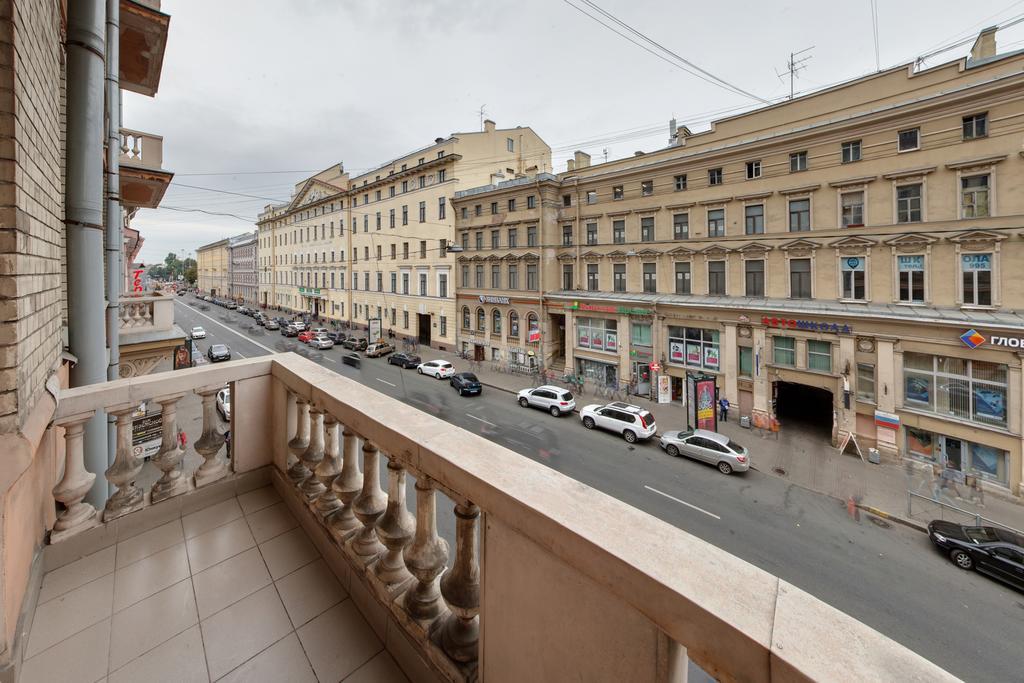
346 486
77 515
395 530
299 443
328 470
426 557
368 506
461 589
311 487
209 444
124 469
171 453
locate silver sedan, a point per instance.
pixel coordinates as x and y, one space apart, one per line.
707 446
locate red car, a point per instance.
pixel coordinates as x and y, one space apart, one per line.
306 336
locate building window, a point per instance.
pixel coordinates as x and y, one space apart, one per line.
646 188
754 277
909 140
481 320
800 278
567 235
852 209
908 203
682 277
567 277
566 200
478 240
851 151
974 194
494 208
651 277
442 321
975 126
423 181
442 285
495 321
479 276
391 217
495 239
394 281
976 271
681 226
754 219
405 215
797 162
617 192
405 283
714 176
405 186
716 278
591 197
593 280
513 277
531 202
495 277
866 382
512 205
852 269
784 351
619 232
440 209
510 144
423 249
819 355
531 235
513 324
753 170
380 282
911 278
694 347
799 215
966 389
680 182
531 277
405 320
591 233
405 250
647 229
619 277
513 237
597 333
983 461
716 223
478 210
423 212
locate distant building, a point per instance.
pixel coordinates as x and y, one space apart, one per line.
242 259
212 268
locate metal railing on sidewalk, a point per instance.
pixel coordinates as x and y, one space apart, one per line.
978 518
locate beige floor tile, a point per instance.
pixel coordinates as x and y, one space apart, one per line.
309 591
151 622
282 662
244 629
82 657
219 544
78 573
70 613
230 581
258 499
380 669
338 642
179 660
211 517
271 521
145 544
150 575
287 552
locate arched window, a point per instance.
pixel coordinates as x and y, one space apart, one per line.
513 324
495 321
481 320
532 328
465 317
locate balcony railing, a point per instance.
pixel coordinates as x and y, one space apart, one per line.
150 312
550 579
143 150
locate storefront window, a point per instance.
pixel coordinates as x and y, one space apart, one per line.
746 361
966 389
978 459
640 334
513 324
920 444
495 321
694 347
602 374
597 333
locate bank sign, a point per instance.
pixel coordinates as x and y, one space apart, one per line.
973 339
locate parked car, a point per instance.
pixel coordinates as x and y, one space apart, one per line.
306 335
989 550
379 349
207 298
707 446
224 403
466 383
198 333
320 330
439 369
290 331
218 352
336 337
243 310
271 325
554 400
632 422
355 344
198 358
352 359
404 360
321 341
298 324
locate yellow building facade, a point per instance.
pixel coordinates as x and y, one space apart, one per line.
212 268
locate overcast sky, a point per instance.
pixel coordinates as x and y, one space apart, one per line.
272 90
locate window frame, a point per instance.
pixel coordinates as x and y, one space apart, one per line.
724 276
687 278
865 284
846 191
619 277
776 348
757 229
798 162
593 277
916 130
897 279
719 228
861 394
747 274
896 187
649 279
993 262
810 277
679 182
677 234
753 169
855 149
811 352
989 191
716 176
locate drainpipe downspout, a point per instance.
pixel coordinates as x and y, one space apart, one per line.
84 220
115 223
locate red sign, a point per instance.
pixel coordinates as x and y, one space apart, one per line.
137 283
655 366
533 336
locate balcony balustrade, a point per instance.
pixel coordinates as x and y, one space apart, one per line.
143 179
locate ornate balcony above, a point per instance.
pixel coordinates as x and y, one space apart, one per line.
143 179
148 336
143 40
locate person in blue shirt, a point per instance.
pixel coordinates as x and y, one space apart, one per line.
723 409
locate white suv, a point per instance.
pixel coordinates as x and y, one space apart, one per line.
441 369
632 422
555 400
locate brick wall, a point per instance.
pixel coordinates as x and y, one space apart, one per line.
31 201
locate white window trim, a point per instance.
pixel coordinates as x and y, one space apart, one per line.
850 189
907 130
927 253
760 169
789 277
903 182
707 275
867 277
996 289
990 171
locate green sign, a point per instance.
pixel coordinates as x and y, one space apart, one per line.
622 310
312 291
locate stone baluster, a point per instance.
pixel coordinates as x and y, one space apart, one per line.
328 470
368 506
425 558
394 529
297 472
128 497
461 589
311 487
77 515
210 443
171 453
347 486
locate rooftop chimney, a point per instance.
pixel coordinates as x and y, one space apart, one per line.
438 141
570 165
985 45
582 159
488 126
672 141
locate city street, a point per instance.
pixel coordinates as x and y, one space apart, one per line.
890 577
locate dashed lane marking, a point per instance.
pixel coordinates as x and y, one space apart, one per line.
683 502
385 382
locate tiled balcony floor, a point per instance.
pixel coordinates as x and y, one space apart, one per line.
233 592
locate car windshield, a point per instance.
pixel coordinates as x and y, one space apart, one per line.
218 348
988 534
469 377
197 329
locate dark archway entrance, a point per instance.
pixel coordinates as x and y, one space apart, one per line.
804 406
423 328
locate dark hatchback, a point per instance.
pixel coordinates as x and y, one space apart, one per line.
218 352
466 383
404 360
989 550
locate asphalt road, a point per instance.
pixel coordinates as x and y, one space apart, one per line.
890 578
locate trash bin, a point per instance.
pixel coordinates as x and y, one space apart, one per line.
874 457
745 421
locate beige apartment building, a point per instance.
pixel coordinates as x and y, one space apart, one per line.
844 260
375 246
212 268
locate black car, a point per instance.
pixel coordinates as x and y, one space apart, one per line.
404 360
466 383
218 352
352 359
289 331
990 550
336 337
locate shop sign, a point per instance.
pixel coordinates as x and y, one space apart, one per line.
611 341
309 291
973 339
664 388
887 420
485 299
655 366
533 335
809 325
621 310
147 435
642 353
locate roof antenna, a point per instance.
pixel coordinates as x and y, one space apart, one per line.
482 115
793 66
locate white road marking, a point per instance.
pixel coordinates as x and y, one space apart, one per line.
239 334
385 382
330 360
689 505
481 420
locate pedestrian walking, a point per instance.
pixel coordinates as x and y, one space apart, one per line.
182 439
723 409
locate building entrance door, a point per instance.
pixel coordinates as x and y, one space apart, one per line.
479 353
803 405
423 328
642 378
952 452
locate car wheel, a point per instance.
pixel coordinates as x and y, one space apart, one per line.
555 412
962 560
672 450
588 422
629 436
460 392
523 403
725 468
419 370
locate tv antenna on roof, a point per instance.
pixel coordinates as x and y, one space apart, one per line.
482 115
794 65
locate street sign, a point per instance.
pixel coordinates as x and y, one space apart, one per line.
655 366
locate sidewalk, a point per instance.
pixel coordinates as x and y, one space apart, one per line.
811 463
